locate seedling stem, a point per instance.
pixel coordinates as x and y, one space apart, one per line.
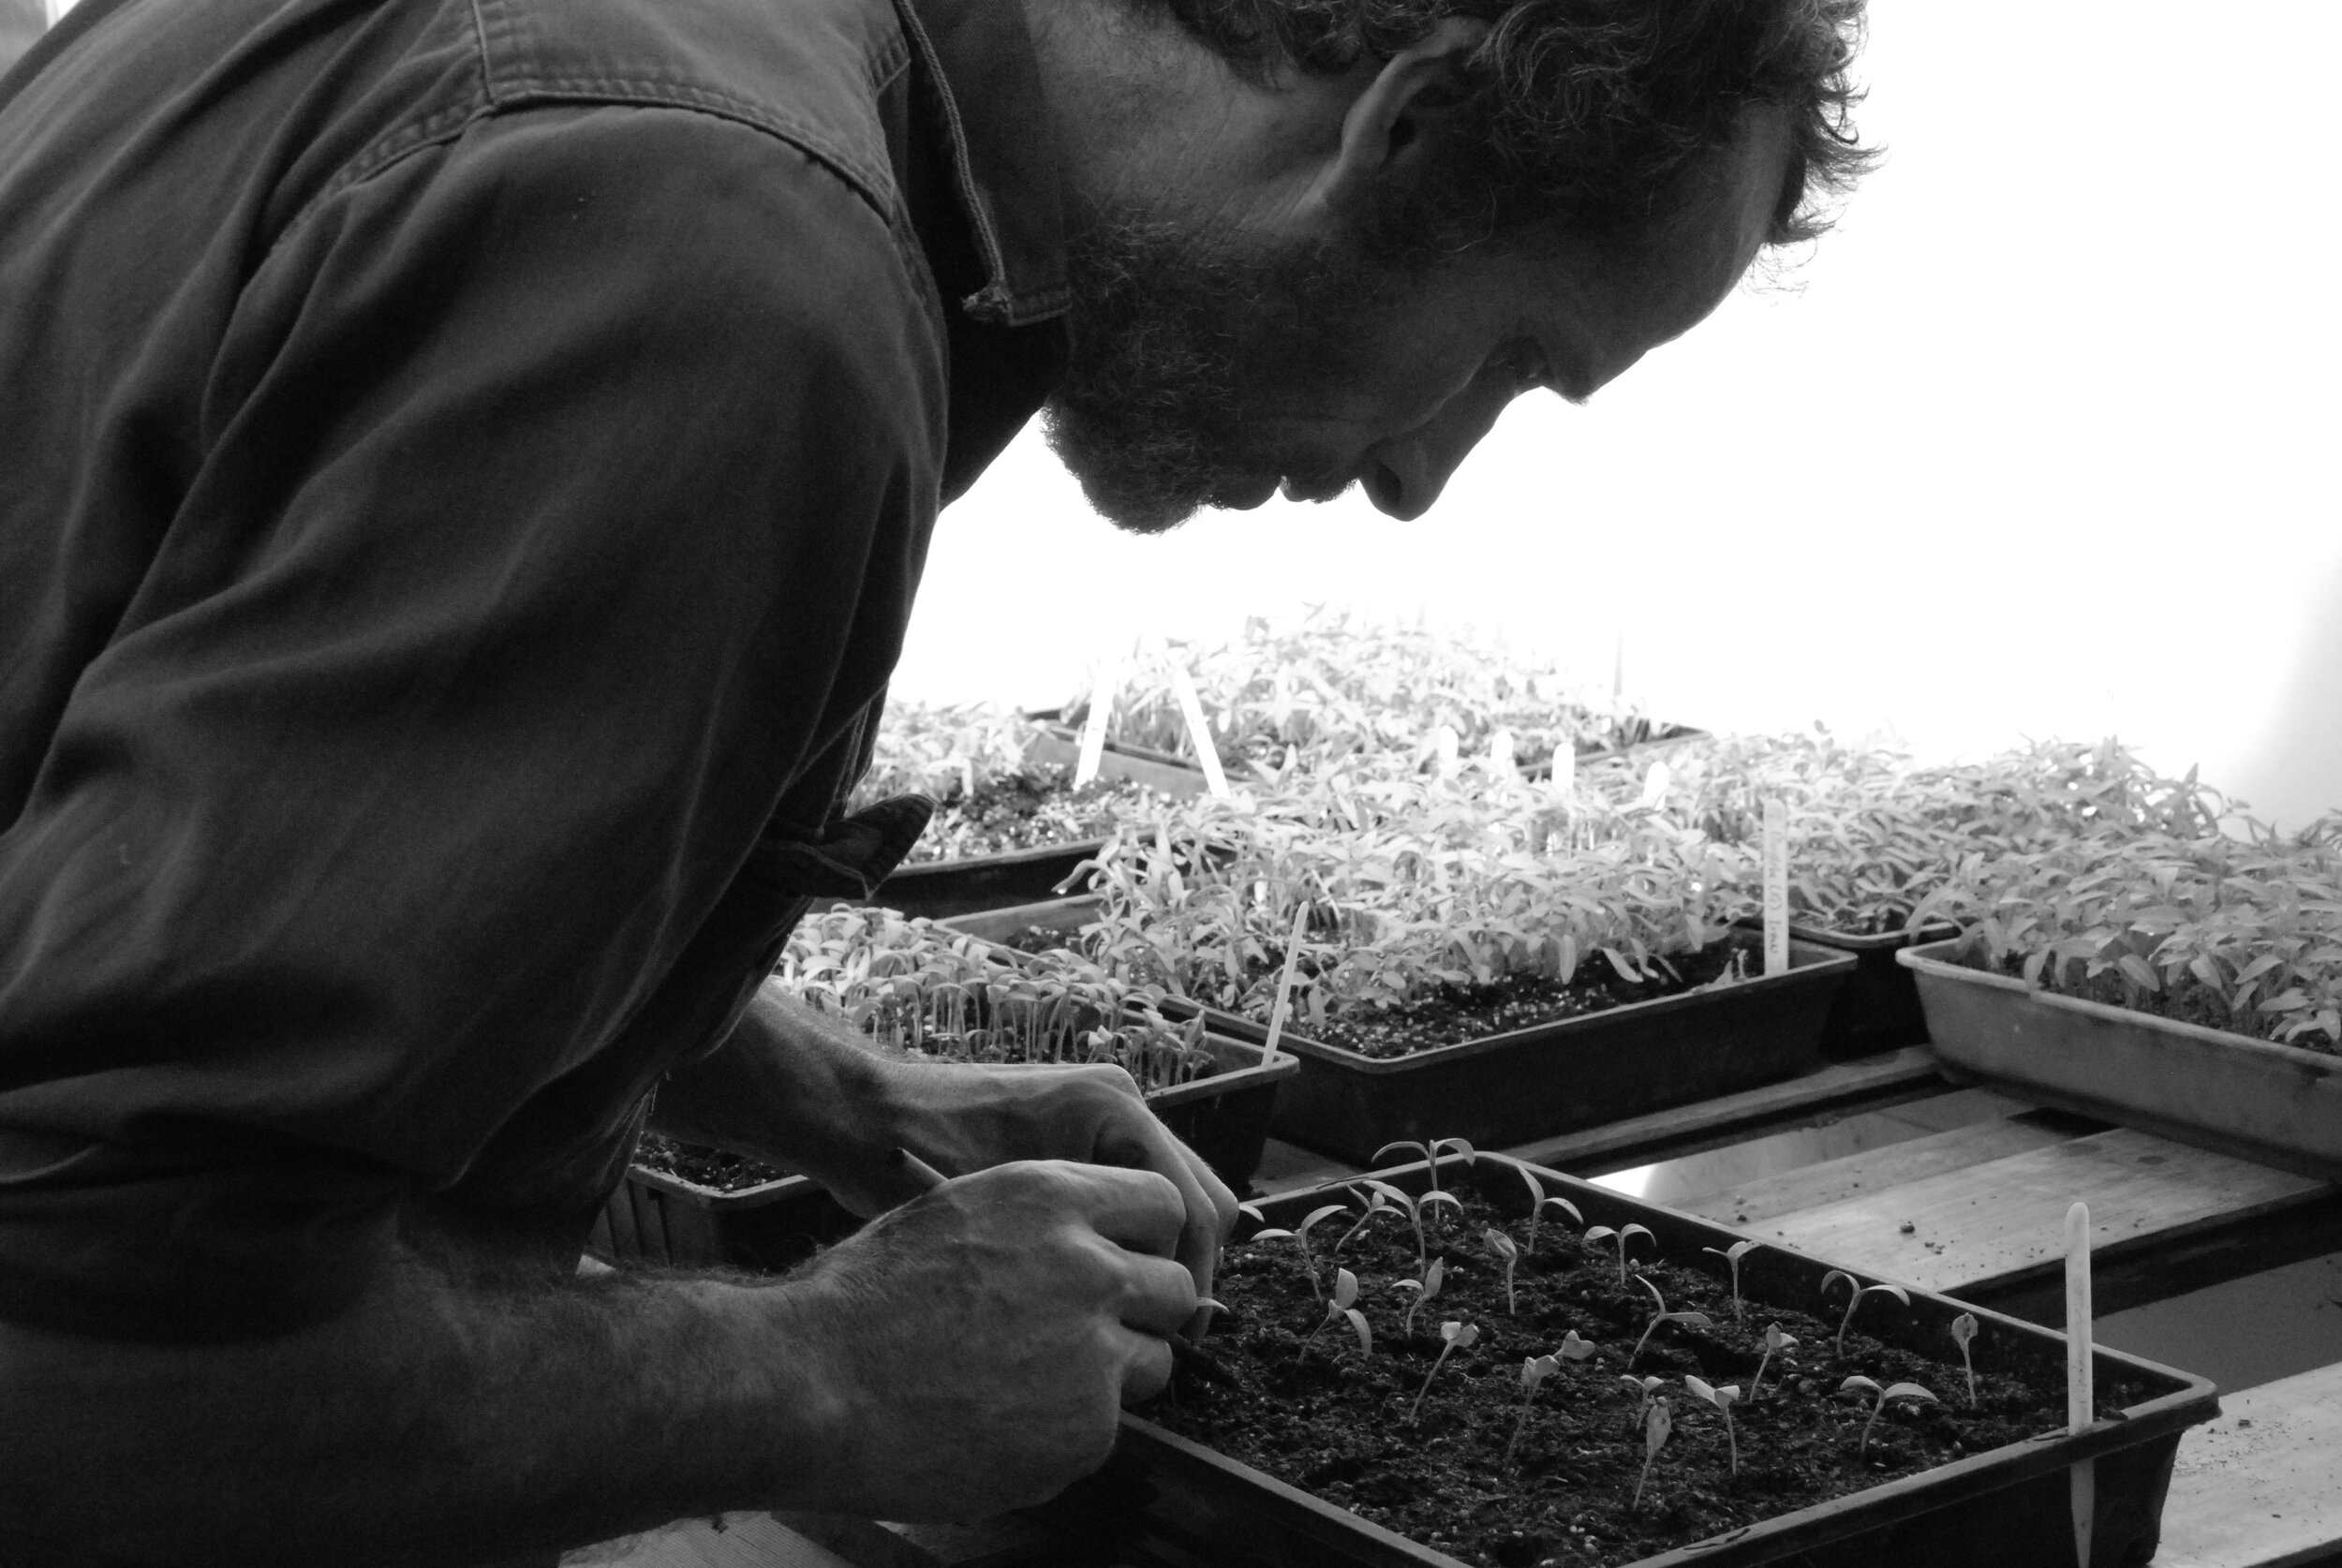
1453 1335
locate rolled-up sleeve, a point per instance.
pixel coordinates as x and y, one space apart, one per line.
558 479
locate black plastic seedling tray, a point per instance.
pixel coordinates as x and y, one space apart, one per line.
1554 1078
939 889
1877 1009
1164 1499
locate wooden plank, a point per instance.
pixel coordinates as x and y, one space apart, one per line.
743 1541
1897 1077
1987 1223
1815 1139
1909 1073
2260 1487
1873 1171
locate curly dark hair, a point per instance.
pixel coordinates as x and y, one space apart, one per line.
1593 110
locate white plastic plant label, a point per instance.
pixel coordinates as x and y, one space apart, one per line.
1654 785
2081 1363
1093 748
1283 1007
1565 770
1776 887
1192 709
1446 746
1500 751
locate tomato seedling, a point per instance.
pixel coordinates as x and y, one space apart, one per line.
1963 1334
1424 1290
1535 1369
1508 1254
1301 1237
1540 1201
1859 1385
1693 1320
1723 1399
1859 1291
1774 1341
1733 1254
1430 1151
1656 1425
1344 1305
1413 1208
1604 1233
1453 1335
1371 1205
1644 1389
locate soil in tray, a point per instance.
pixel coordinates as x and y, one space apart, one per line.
1321 1416
711 1168
1454 1013
1027 809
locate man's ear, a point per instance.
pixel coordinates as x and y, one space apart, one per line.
1384 135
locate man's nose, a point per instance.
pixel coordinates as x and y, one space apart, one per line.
1404 474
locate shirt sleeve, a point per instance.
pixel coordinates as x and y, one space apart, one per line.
558 480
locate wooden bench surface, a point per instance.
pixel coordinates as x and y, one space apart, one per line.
2260 1487
1956 1229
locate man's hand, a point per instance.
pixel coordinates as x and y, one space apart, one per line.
961 1116
801 1091
972 1347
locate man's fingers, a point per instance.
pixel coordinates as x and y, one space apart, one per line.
1159 1297
1141 1210
1146 1367
1147 1143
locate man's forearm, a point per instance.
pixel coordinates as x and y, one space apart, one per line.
789 1086
432 1423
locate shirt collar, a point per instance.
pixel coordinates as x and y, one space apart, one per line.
1004 157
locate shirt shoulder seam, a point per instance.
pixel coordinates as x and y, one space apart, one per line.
447 125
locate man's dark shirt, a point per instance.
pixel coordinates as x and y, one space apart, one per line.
468 463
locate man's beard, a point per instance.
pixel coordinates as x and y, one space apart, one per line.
1184 345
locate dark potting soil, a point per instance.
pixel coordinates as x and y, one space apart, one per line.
1315 1413
1848 924
1454 1013
2187 1003
702 1167
1027 809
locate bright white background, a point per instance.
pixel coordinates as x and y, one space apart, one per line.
2041 441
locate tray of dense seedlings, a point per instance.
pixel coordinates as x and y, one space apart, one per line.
1474 955
1010 823
924 992
2188 985
1870 836
1504 1367
1332 684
